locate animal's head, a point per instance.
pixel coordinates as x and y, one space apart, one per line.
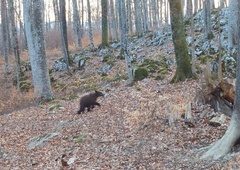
98 93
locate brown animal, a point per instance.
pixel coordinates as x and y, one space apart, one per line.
89 101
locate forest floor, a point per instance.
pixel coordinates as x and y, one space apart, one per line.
136 127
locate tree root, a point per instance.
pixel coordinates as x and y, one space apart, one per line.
224 145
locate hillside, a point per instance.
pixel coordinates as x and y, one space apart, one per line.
137 127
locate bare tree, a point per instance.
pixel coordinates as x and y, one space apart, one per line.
35 39
180 45
124 38
14 41
190 6
138 21
104 4
76 25
129 16
195 6
207 20
113 21
224 145
232 26
56 13
4 35
90 26
63 30
145 16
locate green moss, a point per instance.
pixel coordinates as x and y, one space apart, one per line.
140 73
113 79
203 59
210 36
106 58
138 88
55 108
161 74
69 97
25 86
50 71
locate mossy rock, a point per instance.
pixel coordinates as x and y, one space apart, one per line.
140 73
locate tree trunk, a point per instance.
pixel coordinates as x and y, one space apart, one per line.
207 20
145 16
190 6
14 41
63 30
4 35
104 5
76 25
124 38
129 16
56 13
180 45
90 26
225 144
195 6
232 26
113 20
35 39
138 22
220 74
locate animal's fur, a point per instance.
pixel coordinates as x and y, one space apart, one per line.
89 101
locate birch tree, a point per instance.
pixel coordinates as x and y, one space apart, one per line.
224 145
36 49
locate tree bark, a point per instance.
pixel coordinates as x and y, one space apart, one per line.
138 21
90 26
4 35
124 38
76 25
180 45
232 26
63 30
207 20
225 144
35 39
104 5
14 41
